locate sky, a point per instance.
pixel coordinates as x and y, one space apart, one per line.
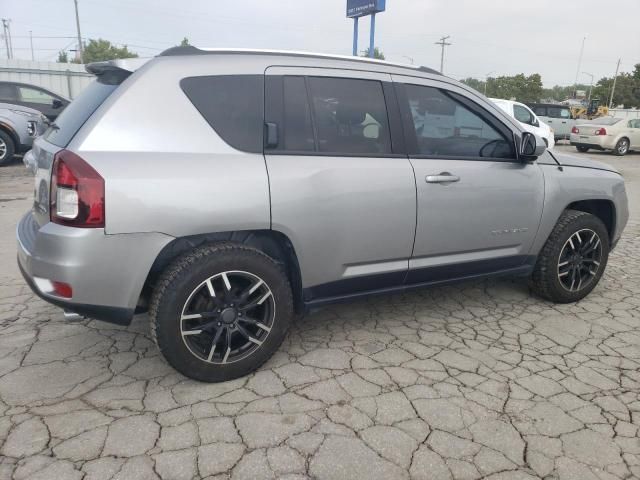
489 37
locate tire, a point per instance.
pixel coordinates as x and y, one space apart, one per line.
230 271
622 147
549 279
7 148
582 148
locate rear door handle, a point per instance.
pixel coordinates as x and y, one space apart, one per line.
444 177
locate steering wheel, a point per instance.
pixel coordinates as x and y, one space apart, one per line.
495 144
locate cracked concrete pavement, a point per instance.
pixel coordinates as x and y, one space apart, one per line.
478 380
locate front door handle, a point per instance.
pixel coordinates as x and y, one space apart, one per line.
444 177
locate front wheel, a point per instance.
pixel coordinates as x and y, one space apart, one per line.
7 148
622 147
573 259
582 148
221 311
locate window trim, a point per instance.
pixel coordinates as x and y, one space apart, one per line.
411 139
274 110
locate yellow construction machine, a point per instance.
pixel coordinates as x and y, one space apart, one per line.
593 110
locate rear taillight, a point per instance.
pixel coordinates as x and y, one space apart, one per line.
601 131
575 130
77 192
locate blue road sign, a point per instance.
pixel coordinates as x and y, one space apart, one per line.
360 8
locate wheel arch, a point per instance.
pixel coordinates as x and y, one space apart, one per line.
8 129
273 243
603 209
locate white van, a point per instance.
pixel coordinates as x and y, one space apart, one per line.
528 119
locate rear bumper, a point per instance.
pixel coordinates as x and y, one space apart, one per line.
105 272
593 146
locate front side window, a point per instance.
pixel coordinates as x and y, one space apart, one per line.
559 112
233 105
523 114
33 95
350 116
541 111
445 127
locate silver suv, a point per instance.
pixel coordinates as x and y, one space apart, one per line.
281 182
19 126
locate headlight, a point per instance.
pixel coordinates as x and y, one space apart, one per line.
31 128
26 114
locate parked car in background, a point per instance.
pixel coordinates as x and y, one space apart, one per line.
528 119
558 117
49 103
18 127
617 135
281 182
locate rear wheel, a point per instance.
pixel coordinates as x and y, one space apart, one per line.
573 260
7 148
582 148
622 147
221 311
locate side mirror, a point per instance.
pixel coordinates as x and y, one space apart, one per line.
56 103
535 122
531 146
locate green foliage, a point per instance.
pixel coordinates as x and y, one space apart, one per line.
523 89
100 50
377 53
63 57
184 42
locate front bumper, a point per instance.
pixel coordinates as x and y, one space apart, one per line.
106 272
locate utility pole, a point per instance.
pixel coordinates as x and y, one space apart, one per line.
590 86
31 42
443 43
575 88
486 81
7 37
80 47
615 79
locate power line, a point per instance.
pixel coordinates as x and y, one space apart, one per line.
443 43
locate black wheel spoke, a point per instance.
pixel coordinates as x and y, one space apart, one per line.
579 260
227 317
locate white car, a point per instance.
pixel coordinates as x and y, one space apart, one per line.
528 119
616 134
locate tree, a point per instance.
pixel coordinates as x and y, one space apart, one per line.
63 57
524 89
184 42
377 53
100 50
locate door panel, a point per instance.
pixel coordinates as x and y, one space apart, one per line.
478 210
351 216
491 213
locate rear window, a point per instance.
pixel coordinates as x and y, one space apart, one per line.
233 105
77 113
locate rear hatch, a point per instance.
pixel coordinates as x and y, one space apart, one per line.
109 75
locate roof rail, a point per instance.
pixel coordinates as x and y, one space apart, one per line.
191 50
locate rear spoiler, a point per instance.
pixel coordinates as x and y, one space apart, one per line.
113 72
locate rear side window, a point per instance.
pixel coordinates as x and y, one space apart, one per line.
233 105
298 130
350 116
78 112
